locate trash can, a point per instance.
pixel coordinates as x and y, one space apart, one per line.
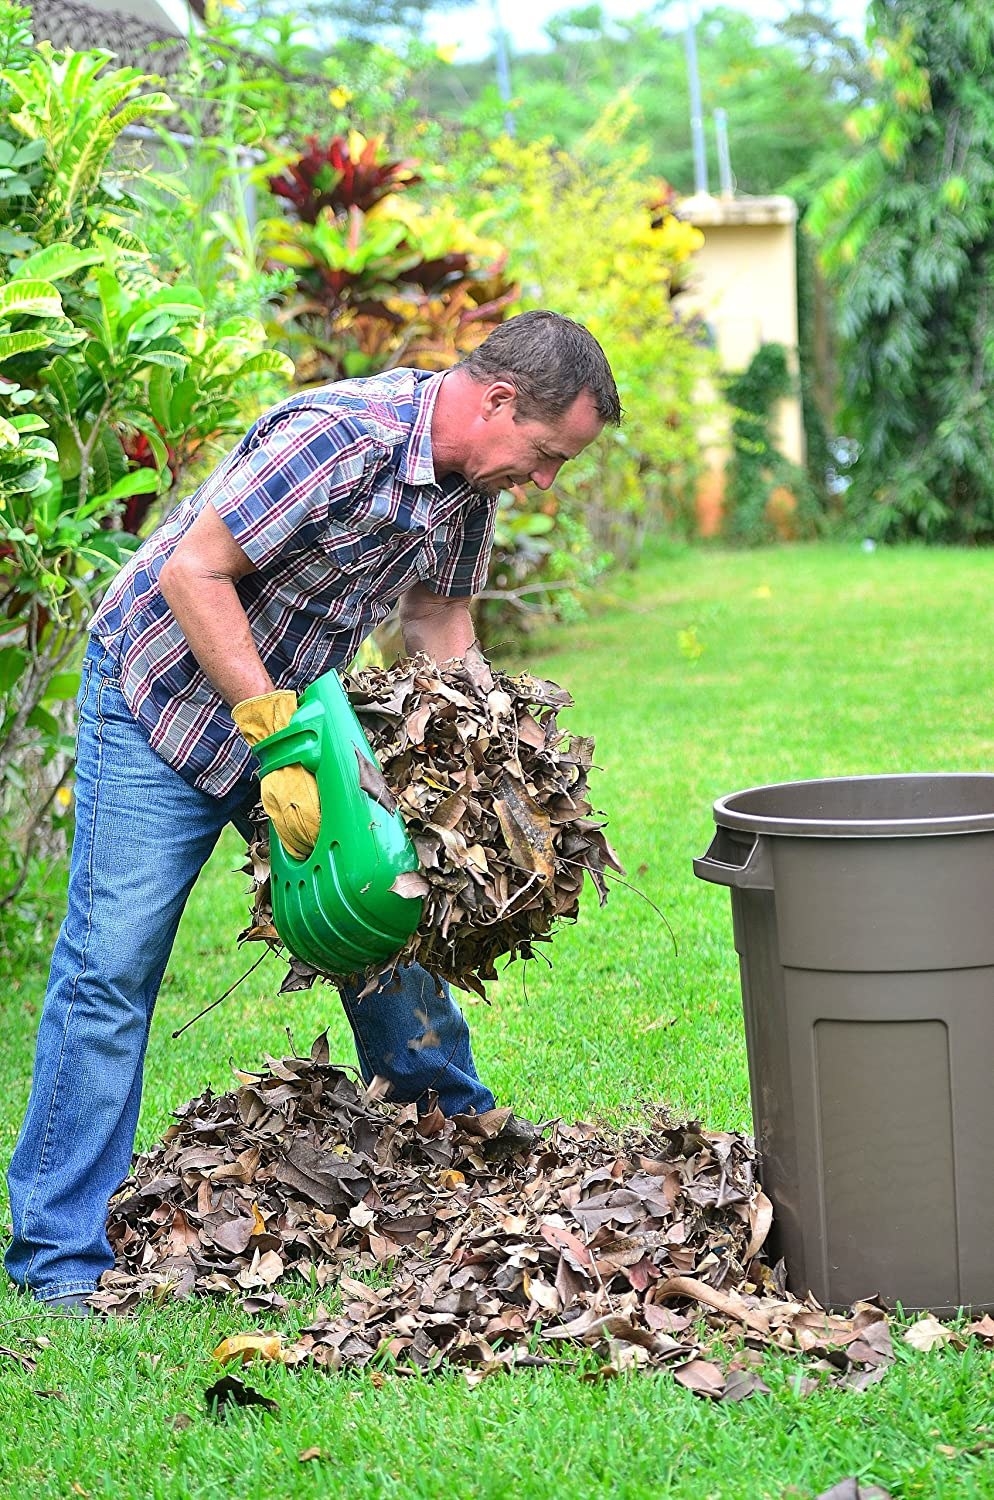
863 916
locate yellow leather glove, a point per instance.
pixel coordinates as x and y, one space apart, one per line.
290 796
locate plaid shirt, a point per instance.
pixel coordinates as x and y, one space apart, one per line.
333 496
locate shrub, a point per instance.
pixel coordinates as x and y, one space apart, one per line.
758 471
380 280
592 238
114 382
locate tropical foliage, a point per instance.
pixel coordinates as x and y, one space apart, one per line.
595 238
144 315
112 383
381 280
907 235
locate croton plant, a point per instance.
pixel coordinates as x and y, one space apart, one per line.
380 280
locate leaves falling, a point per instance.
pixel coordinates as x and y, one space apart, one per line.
494 796
645 1248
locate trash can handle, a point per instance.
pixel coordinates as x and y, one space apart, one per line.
722 864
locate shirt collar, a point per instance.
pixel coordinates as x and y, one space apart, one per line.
416 464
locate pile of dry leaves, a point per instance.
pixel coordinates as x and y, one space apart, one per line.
494 795
642 1247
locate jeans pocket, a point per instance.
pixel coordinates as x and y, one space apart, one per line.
85 673
104 657
111 703
85 678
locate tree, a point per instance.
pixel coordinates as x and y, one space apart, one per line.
364 20
823 47
786 100
907 236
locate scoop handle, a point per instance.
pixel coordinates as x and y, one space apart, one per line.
290 747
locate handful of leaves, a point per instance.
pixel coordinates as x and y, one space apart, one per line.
494 796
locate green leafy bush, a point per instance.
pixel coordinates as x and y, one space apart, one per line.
758 474
591 236
113 383
381 280
907 237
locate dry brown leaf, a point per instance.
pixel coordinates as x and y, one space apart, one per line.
526 829
983 1328
927 1334
740 1384
248 1346
731 1307
373 784
410 883
230 1391
24 1360
701 1376
760 1221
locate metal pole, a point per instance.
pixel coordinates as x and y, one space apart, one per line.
696 108
727 186
503 62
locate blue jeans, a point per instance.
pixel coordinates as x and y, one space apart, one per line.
142 837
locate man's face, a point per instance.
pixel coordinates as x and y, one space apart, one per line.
507 450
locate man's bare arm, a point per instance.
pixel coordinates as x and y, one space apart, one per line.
198 584
439 626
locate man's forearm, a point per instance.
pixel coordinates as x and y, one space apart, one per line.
441 631
210 615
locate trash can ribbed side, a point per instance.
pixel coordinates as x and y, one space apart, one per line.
867 972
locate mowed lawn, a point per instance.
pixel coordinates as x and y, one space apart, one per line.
704 673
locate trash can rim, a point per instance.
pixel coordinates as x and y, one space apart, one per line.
728 815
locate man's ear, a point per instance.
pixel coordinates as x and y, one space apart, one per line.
498 396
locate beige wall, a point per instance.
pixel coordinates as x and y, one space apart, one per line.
744 285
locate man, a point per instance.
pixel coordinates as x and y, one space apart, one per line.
335 505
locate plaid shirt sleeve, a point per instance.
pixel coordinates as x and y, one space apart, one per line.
289 480
463 571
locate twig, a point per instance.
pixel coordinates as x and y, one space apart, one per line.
516 596
509 903
227 992
14 891
617 880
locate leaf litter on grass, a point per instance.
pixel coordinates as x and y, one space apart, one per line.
645 1247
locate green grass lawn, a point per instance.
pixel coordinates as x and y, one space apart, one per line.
704 673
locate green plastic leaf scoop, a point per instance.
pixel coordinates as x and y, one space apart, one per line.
335 909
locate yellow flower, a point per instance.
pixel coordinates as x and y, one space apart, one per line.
339 97
448 53
689 643
762 592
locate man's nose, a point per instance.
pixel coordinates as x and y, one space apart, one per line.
545 476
